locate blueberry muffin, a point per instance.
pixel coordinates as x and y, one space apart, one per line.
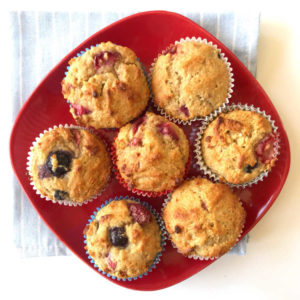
123 239
190 80
203 219
106 86
151 154
69 165
238 146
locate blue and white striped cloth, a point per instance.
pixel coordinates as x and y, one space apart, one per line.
39 40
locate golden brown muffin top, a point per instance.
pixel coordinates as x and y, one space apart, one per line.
190 80
69 164
152 153
238 146
106 86
123 239
203 218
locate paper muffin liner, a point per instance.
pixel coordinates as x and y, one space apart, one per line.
139 192
160 223
198 153
147 80
230 75
195 257
65 202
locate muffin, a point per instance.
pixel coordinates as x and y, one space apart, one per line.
106 86
151 154
123 239
203 219
69 165
238 146
190 80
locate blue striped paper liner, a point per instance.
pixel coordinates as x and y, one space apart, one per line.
162 243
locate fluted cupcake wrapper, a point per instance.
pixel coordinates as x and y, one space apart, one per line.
65 202
146 76
200 161
139 192
230 88
160 223
195 257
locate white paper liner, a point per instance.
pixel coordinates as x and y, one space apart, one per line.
195 257
230 88
64 202
160 223
199 158
147 80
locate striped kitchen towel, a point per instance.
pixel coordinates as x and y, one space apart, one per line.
39 40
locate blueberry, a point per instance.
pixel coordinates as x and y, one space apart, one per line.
60 195
177 229
249 169
118 237
95 95
58 163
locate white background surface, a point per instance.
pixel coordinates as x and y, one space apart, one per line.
270 270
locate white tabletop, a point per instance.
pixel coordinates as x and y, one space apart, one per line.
271 267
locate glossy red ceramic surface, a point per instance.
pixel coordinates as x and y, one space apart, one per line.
147 34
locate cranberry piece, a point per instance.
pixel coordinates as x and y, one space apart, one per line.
76 135
185 110
80 110
112 264
264 150
172 50
139 213
105 58
136 142
118 237
204 206
167 129
44 172
138 123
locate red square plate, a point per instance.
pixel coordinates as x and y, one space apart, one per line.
147 33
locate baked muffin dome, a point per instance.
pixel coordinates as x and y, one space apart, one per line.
190 80
203 219
106 86
238 146
151 154
123 239
69 164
